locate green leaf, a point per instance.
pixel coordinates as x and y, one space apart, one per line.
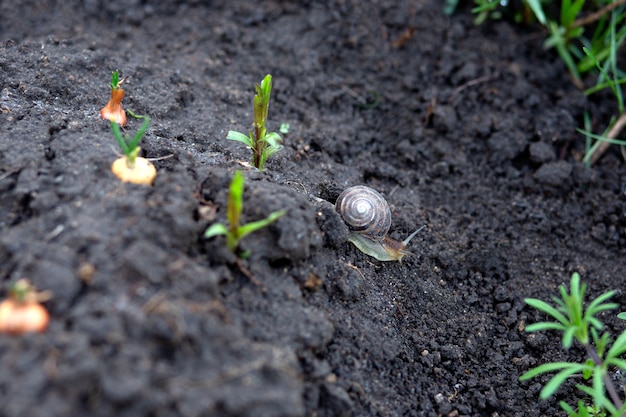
259 224
570 11
118 137
261 101
557 380
273 139
620 363
548 309
484 7
266 86
272 150
535 6
619 346
240 137
546 367
548 325
596 305
284 128
622 315
139 134
216 229
568 337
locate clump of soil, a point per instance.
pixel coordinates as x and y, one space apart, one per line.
469 130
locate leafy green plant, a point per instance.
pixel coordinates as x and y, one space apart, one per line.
130 147
263 143
580 324
582 51
131 167
234 232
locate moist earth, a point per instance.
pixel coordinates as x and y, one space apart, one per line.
469 130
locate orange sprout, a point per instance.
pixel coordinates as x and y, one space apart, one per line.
21 312
113 110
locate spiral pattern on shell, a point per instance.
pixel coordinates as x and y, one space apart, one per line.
365 211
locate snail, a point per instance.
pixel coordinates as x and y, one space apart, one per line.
367 215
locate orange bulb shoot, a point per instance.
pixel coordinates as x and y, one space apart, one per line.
113 110
21 312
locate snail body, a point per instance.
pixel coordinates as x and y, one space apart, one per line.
368 217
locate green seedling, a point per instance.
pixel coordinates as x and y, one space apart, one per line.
131 167
284 128
234 232
263 143
580 324
586 35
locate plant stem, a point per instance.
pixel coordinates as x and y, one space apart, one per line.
597 360
259 145
612 134
597 15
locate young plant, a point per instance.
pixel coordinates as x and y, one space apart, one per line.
581 50
22 312
263 143
234 232
130 167
577 323
113 110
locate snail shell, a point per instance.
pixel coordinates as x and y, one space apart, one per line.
366 213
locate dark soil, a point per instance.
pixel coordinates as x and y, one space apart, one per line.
469 130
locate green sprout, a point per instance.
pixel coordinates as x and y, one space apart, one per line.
234 232
115 80
130 147
579 324
284 128
263 144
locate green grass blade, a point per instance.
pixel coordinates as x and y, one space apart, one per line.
602 86
139 134
119 138
614 70
535 6
602 138
259 224
558 41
